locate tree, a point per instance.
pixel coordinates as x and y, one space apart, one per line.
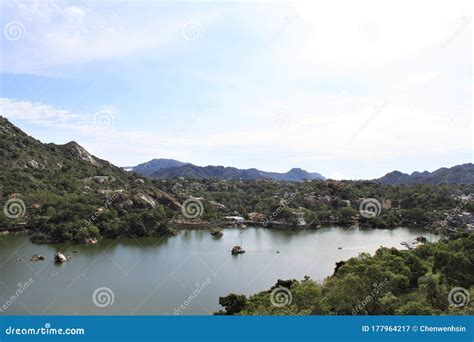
233 303
415 308
347 213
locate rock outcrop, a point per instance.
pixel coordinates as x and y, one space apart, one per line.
59 258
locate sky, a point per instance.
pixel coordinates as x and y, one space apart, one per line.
351 90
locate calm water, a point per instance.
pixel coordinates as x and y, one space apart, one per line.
155 276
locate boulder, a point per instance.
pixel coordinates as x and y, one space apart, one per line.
127 204
59 258
32 163
37 257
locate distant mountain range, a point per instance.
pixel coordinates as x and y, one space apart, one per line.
169 168
459 174
23 155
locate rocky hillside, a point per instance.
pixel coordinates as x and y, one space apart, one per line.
459 174
60 187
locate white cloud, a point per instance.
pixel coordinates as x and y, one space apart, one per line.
394 132
96 129
39 113
423 77
60 37
363 81
366 34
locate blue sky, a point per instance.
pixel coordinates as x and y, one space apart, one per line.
347 90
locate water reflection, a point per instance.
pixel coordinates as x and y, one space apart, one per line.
155 275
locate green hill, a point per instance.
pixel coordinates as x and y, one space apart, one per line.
63 193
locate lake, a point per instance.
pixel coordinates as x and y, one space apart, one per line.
189 271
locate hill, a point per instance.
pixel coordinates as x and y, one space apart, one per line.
459 174
153 165
63 193
169 168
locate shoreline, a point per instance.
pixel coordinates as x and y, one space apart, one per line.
286 226
210 226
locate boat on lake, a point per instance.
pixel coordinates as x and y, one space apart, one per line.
410 245
238 248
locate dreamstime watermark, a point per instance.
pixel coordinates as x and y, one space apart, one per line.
14 208
461 120
22 287
103 297
376 291
370 31
459 297
99 211
287 22
370 208
458 209
280 120
192 31
14 30
283 204
104 118
464 23
376 112
281 296
197 291
192 208
46 330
